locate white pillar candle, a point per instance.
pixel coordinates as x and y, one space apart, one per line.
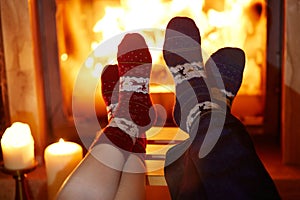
18 147
60 159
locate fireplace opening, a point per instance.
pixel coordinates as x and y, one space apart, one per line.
82 25
68 32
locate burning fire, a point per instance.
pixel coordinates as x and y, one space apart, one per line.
236 23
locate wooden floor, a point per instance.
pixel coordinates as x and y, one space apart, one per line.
286 177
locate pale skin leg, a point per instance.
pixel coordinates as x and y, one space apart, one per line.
92 179
133 180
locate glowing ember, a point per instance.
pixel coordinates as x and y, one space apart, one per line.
234 23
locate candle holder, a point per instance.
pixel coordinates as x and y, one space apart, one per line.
19 175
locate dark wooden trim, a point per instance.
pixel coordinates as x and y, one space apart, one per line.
58 123
272 115
4 104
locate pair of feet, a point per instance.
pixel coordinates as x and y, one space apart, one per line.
125 86
125 90
199 87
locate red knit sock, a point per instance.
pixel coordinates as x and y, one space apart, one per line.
140 144
135 63
131 118
110 93
110 88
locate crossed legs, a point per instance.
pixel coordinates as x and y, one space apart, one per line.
99 176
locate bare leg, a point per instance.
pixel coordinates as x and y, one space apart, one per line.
133 180
96 177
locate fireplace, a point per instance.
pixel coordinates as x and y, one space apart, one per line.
82 25
31 80
57 50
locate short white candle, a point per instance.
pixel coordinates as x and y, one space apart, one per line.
18 147
60 159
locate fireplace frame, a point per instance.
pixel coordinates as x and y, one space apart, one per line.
4 105
60 125
275 51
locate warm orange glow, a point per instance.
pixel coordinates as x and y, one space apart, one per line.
64 57
235 23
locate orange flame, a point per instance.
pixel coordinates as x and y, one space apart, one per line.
235 23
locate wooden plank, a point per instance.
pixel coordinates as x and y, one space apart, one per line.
291 87
160 139
166 135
